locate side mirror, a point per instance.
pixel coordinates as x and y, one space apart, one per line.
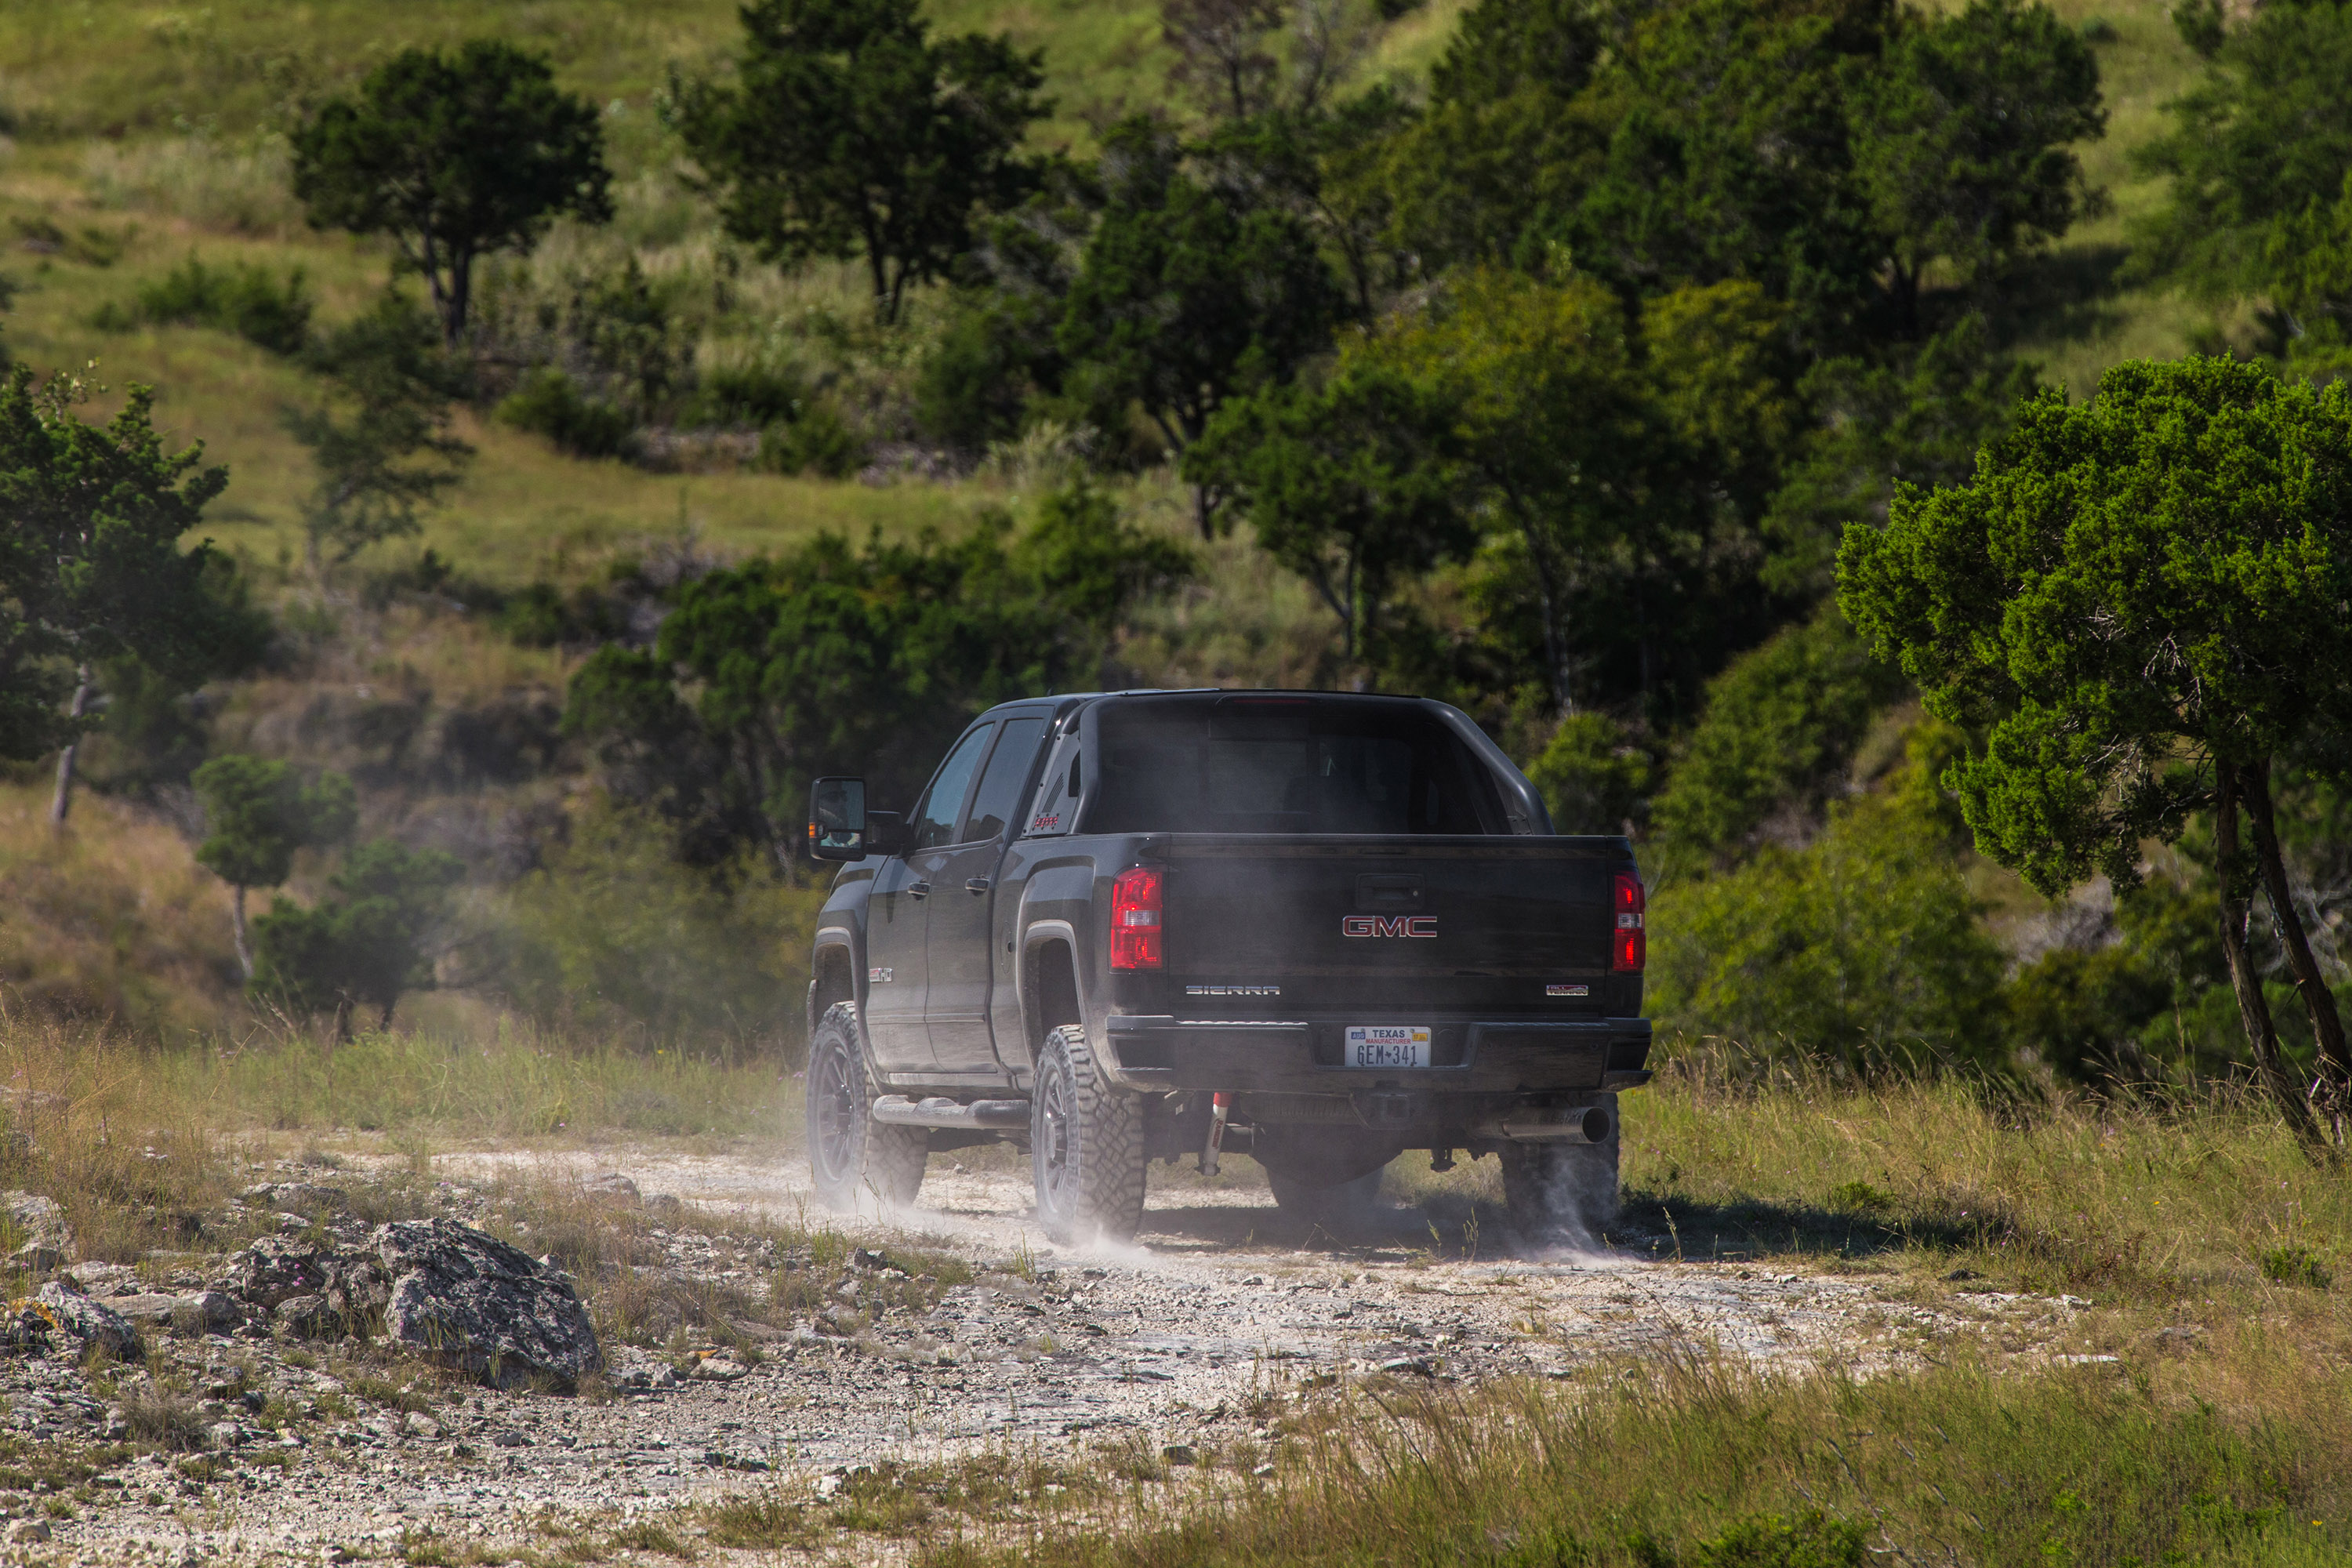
837 820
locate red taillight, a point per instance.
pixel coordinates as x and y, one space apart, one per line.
1134 917
1629 944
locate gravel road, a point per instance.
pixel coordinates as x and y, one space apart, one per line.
1174 1339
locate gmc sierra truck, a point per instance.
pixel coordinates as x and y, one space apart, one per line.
1322 929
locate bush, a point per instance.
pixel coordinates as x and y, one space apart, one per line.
1866 941
366 944
1593 777
820 442
242 298
613 931
747 393
550 404
1781 723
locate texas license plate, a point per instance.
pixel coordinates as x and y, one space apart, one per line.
1387 1045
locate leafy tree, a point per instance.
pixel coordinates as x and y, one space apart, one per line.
2259 150
1349 484
1509 141
257 813
1230 54
849 130
613 930
833 657
456 158
2140 604
1546 412
1964 147
1730 155
365 943
91 568
1915 416
382 446
1189 291
1781 724
1322 162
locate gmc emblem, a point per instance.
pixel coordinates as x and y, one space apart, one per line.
1389 925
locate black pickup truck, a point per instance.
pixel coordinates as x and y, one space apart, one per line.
1324 929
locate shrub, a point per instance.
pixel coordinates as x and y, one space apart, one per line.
1782 723
615 931
366 944
748 392
550 404
2293 1265
820 442
240 299
1593 777
1865 942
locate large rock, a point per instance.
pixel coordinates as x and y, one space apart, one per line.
472 1302
275 1268
58 1320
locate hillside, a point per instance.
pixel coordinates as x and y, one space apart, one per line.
139 139
148 136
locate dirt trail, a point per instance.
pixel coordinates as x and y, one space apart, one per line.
1170 1340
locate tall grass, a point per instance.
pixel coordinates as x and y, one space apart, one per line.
1691 1462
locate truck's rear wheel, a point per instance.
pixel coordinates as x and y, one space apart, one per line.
1086 1145
1341 1210
1561 1187
854 1160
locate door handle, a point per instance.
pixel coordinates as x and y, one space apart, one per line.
975 884
919 889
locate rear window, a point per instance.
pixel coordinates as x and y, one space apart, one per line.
1306 765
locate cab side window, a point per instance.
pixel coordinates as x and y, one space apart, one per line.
1000 785
935 818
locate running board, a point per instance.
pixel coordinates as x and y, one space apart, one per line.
997 1115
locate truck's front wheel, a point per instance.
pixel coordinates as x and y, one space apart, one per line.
854 1160
1086 1145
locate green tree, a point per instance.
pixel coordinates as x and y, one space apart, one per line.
1547 414
1509 141
365 943
1188 293
1913 416
456 157
1964 145
833 657
382 445
1347 483
257 813
2260 149
91 568
2139 604
849 131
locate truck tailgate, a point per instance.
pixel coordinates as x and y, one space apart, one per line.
1436 922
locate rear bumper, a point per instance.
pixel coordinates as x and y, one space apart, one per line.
1477 1057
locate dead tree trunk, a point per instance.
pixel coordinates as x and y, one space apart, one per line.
62 800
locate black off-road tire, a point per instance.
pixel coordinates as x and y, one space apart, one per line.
1562 1189
854 1160
1348 1209
1086 1146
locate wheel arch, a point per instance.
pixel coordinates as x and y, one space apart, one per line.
1049 984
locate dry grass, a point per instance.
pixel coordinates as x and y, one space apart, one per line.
112 916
